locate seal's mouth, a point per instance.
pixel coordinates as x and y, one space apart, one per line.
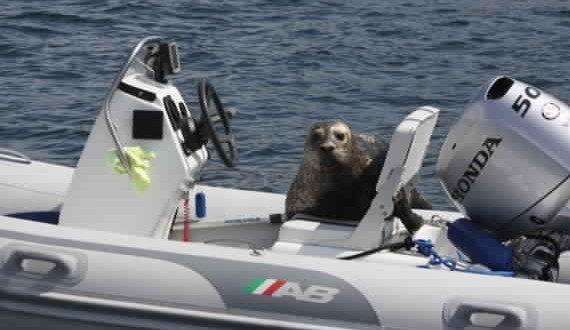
330 158
330 153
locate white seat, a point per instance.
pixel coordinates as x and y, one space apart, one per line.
312 232
403 162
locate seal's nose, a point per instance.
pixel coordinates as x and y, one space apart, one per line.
327 147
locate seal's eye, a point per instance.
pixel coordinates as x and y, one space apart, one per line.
340 136
317 133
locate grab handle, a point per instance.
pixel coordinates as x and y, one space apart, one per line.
461 314
64 265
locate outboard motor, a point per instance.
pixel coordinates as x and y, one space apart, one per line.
506 162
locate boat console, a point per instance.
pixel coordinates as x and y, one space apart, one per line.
146 149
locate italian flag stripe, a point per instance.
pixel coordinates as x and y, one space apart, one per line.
254 284
263 286
274 287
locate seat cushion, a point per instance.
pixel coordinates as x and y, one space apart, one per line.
312 232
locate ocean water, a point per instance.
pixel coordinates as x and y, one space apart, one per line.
283 64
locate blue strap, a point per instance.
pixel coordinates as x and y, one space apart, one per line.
425 247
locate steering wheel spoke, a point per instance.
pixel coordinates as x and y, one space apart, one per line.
226 139
207 96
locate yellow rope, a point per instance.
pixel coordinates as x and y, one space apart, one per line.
139 164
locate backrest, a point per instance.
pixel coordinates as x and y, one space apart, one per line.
407 149
403 162
99 198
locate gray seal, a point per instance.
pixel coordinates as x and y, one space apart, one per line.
338 175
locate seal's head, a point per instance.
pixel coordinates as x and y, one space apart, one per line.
329 144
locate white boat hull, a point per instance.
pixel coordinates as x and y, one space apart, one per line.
201 283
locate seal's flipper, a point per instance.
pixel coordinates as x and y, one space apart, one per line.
403 211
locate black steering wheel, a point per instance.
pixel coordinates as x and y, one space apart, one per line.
223 139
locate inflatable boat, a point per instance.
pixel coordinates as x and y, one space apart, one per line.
130 240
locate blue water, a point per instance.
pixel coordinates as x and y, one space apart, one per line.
283 64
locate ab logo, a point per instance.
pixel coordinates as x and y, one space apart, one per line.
280 288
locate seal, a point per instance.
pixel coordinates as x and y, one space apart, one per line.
338 175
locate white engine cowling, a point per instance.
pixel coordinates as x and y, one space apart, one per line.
506 162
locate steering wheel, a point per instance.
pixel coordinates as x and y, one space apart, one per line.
222 140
